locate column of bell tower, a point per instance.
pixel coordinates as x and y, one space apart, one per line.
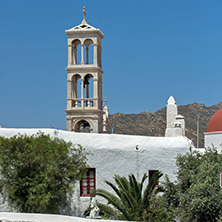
84 79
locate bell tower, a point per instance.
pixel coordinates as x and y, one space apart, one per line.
84 78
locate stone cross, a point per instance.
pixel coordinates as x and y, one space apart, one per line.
84 13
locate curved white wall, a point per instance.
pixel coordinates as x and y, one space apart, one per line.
213 139
22 217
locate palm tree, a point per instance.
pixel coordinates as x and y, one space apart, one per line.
130 200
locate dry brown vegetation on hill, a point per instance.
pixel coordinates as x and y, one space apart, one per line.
154 124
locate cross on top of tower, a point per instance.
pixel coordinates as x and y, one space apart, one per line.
84 22
84 12
84 27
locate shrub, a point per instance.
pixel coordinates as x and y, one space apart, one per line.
37 172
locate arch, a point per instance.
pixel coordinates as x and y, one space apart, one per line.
76 90
88 90
76 86
82 126
88 86
88 51
76 52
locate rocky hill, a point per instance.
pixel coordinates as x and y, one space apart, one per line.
154 124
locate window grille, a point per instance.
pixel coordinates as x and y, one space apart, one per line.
88 182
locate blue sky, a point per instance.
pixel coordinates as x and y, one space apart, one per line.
151 50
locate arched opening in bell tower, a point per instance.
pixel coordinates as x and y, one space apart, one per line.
76 52
88 51
88 90
82 126
76 90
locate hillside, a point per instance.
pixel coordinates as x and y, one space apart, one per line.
154 124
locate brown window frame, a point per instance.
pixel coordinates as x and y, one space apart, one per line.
150 173
88 186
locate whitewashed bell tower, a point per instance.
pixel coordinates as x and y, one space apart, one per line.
84 78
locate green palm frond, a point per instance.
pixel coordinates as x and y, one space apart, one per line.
113 187
110 211
122 182
128 199
131 201
125 191
143 180
136 188
112 199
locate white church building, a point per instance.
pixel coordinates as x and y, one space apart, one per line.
88 125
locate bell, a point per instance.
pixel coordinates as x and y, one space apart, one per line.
86 82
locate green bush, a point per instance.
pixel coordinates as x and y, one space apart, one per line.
131 200
37 172
197 195
157 212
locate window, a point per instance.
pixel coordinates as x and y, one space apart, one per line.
151 172
177 125
88 183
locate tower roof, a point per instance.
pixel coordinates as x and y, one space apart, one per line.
84 27
179 117
215 123
171 100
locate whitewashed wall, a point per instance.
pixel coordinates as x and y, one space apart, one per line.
116 154
21 217
213 140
